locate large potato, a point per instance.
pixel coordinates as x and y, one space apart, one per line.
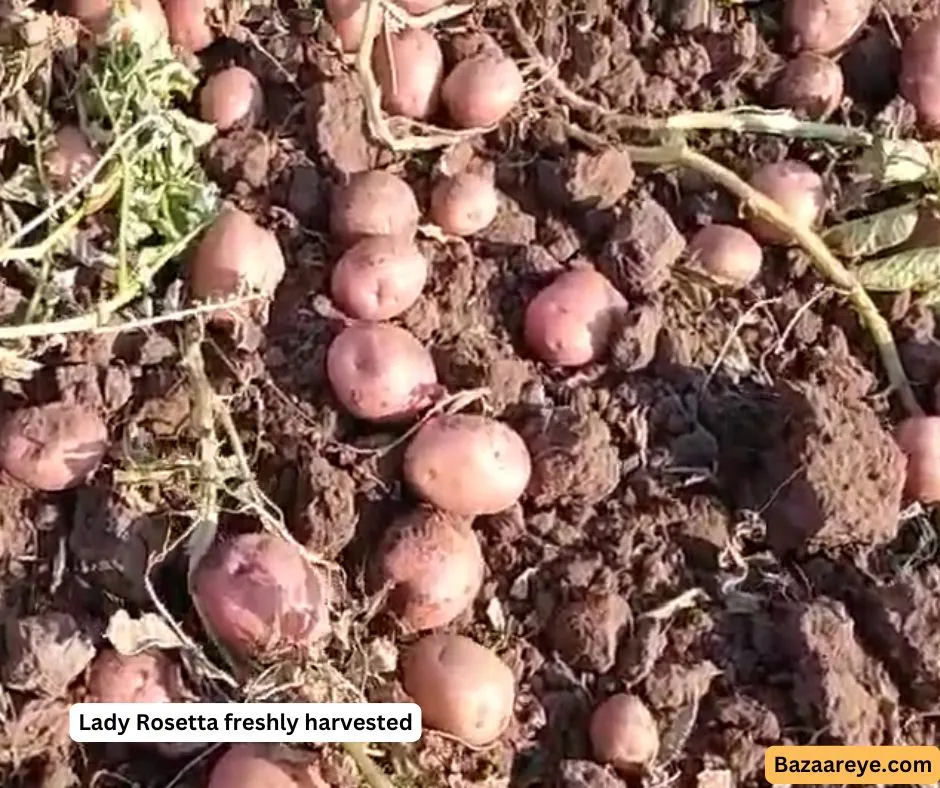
462 688
53 447
569 322
482 90
464 204
824 25
432 563
624 734
728 255
379 277
260 596
468 465
373 203
920 73
797 189
231 97
380 372
409 71
265 766
189 23
919 439
69 159
811 84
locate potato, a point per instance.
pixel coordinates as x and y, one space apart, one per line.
432 563
260 596
69 159
823 25
919 439
231 97
265 766
380 372
920 73
624 734
797 189
96 14
53 447
409 71
467 465
727 254
379 277
464 204
149 677
189 23
463 689
482 90
348 18
418 7
569 323
811 85
373 203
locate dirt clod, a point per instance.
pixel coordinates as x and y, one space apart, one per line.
586 632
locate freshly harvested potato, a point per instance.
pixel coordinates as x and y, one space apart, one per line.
265 766
920 73
97 14
260 596
569 323
824 25
811 85
379 277
919 439
148 677
797 189
464 204
69 159
727 254
380 372
482 90
462 688
624 734
348 18
373 203
189 23
53 447
409 71
432 563
231 97
418 7
467 465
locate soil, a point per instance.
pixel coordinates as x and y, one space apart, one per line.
715 518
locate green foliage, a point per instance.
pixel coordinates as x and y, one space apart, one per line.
873 234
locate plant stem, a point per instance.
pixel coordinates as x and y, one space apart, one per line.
761 121
367 767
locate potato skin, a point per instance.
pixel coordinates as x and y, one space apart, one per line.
348 18
624 733
148 677
260 596
920 73
811 85
467 465
418 7
96 14
413 88
373 203
823 25
53 447
569 322
379 277
919 439
264 766
189 23
433 565
482 90
380 372
796 188
230 97
464 204
70 158
462 688
729 255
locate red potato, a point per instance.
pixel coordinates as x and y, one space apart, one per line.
53 447
70 158
467 465
231 97
260 596
920 73
727 254
464 204
919 439
569 323
265 766
96 14
189 23
379 277
373 203
418 7
433 565
463 689
812 85
409 71
624 734
148 677
380 372
482 90
797 189
348 18
824 25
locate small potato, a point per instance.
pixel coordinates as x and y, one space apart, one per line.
919 439
380 372
53 447
97 14
379 277
920 73
727 254
373 203
462 688
265 766
624 734
260 596
568 324
231 97
797 189
811 85
69 159
482 90
148 677
433 565
409 71
823 25
464 204
348 18
189 23
467 465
